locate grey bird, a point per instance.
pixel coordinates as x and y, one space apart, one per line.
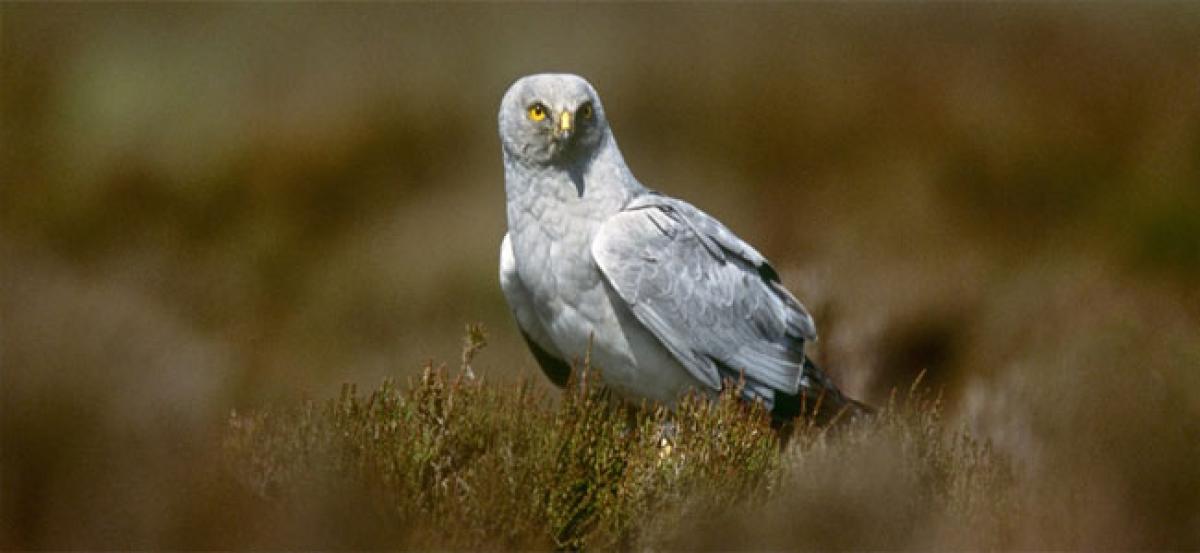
663 297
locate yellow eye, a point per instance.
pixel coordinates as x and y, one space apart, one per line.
537 112
585 111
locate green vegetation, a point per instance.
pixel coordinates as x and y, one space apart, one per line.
455 461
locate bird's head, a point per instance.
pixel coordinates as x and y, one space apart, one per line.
551 118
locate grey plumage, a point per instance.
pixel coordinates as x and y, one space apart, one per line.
668 297
711 299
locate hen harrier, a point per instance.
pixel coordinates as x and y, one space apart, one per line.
666 297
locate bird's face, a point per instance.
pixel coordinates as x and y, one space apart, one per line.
551 119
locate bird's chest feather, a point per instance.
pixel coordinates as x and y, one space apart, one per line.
552 238
582 315
557 266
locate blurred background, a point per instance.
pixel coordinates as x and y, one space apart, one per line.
215 207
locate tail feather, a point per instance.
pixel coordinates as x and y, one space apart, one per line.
818 400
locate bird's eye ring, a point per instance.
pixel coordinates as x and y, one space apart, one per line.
585 111
537 112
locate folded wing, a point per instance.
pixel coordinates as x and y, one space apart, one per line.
711 299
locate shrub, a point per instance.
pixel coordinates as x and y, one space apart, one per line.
453 461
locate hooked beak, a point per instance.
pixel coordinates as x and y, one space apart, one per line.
565 125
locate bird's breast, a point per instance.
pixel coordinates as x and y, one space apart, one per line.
556 262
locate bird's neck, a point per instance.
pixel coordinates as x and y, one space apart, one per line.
587 190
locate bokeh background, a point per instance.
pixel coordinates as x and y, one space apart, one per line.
215 207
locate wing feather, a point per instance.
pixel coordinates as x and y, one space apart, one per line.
710 298
519 302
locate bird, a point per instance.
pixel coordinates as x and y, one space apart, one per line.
659 295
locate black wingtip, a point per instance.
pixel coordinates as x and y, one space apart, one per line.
557 370
821 402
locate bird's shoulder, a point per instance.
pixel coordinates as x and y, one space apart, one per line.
675 223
